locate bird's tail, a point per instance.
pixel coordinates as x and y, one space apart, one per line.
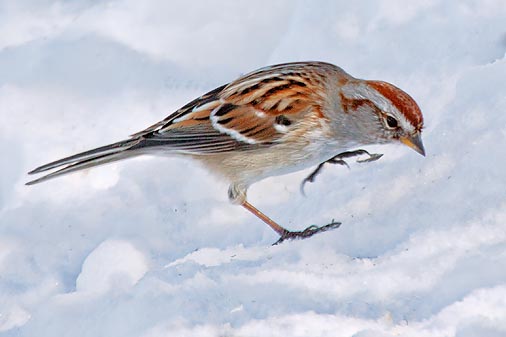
99 156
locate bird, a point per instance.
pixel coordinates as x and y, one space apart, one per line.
269 122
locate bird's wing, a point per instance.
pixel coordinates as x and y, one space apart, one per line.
256 110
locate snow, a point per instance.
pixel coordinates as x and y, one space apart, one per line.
114 264
151 247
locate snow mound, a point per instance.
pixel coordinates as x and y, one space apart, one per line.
114 264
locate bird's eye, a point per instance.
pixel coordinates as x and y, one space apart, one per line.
392 122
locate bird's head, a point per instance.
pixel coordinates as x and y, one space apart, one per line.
392 115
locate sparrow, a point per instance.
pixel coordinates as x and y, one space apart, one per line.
272 121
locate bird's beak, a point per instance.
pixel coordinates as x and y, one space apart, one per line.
414 142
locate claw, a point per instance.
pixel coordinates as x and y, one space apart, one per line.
306 233
310 178
339 159
372 157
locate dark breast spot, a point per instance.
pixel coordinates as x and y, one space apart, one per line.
283 120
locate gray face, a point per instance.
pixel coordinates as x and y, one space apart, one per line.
382 113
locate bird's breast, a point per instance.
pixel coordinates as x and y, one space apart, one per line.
251 166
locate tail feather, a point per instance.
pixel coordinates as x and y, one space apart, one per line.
87 159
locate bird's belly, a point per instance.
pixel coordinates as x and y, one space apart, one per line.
247 167
312 155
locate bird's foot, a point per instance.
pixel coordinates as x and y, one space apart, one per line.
339 159
306 233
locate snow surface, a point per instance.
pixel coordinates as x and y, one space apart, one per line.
150 247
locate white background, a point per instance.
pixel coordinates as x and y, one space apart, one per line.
151 247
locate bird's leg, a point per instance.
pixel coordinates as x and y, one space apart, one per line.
271 223
311 177
339 159
284 233
237 195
